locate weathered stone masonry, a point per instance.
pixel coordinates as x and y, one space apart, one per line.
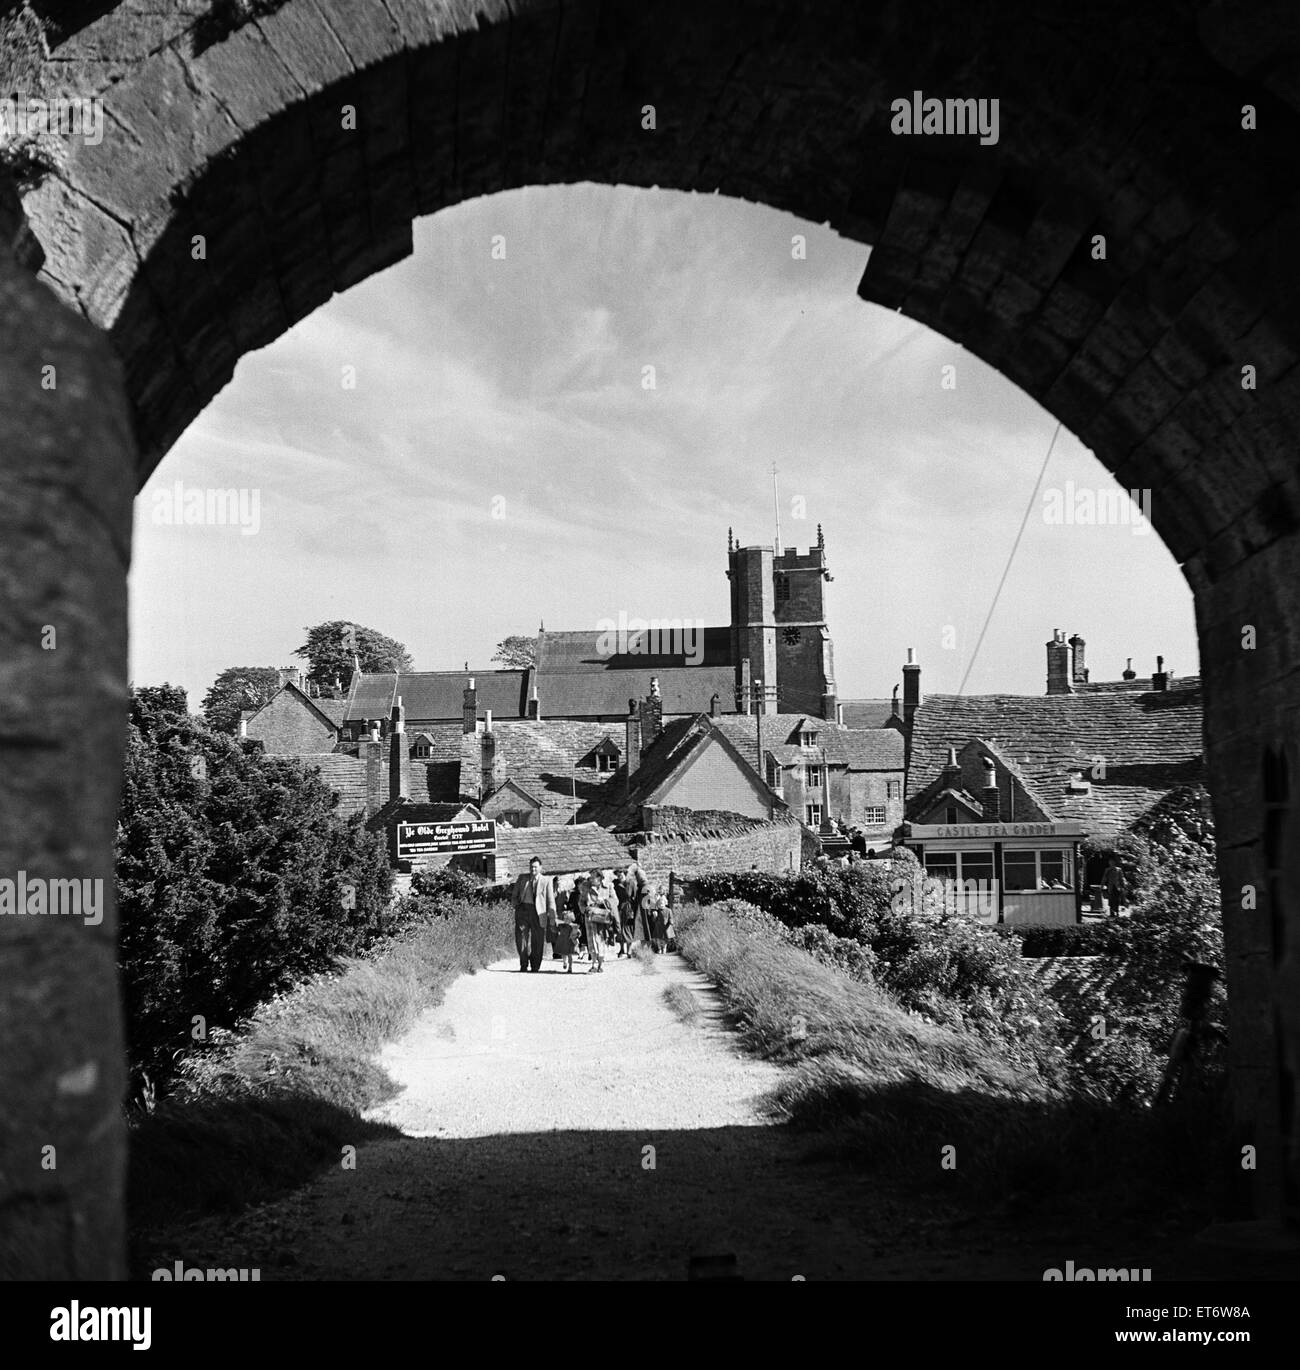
1124 125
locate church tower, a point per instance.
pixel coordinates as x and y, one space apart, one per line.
753 627
778 625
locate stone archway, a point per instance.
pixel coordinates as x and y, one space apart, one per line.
260 155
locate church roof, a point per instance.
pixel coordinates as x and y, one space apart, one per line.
438 695
604 694
866 713
572 653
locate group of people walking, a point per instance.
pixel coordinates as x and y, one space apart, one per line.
583 917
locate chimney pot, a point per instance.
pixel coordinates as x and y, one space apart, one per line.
990 800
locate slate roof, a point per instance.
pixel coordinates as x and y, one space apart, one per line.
613 806
344 774
868 749
319 706
562 849
1151 742
334 709
680 740
436 694
414 811
576 652
543 756
866 713
604 694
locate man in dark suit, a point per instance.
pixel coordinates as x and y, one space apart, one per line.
534 911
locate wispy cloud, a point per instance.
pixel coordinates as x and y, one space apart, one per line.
518 387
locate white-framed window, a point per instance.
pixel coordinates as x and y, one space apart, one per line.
814 781
873 813
891 789
814 812
605 762
959 866
808 738
1037 870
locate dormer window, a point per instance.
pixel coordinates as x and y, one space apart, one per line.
604 757
808 738
423 746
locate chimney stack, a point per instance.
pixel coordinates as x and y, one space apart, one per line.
243 723
633 740
715 706
399 760
1078 670
1160 680
989 798
469 709
1058 665
490 762
534 705
652 714
745 703
893 705
370 752
911 687
1129 672
952 771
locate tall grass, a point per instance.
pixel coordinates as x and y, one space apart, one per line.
883 1088
258 1109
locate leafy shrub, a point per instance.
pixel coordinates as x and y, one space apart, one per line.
235 879
888 923
446 883
1177 920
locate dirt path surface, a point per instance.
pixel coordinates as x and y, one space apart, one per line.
528 1106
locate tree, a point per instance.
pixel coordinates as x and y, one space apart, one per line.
331 647
238 688
516 652
235 879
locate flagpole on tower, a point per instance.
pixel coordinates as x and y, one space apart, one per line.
776 508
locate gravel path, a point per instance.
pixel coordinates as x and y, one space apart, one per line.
509 1052
573 1127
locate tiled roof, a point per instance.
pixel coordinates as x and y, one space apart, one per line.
616 807
869 749
1150 742
436 778
334 709
543 756
413 811
563 848
866 713
680 740
572 653
604 694
436 694
345 775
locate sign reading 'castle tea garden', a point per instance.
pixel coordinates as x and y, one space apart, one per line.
430 839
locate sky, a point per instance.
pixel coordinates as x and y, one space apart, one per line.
470 443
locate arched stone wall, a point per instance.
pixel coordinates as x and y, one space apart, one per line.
1117 122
